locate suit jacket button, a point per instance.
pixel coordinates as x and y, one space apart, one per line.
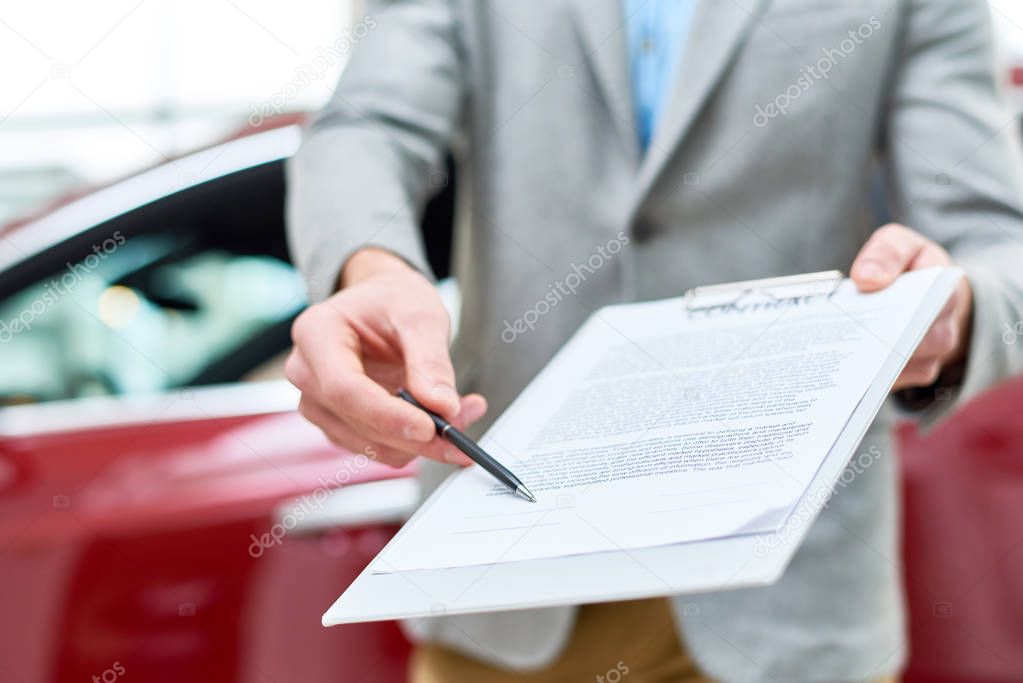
642 231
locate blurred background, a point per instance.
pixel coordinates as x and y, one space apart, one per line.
108 91
111 88
164 512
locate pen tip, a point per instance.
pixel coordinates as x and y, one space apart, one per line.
525 493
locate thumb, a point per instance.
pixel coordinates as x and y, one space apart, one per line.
429 375
886 255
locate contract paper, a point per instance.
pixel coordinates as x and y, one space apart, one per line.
667 422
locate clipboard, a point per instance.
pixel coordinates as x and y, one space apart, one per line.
823 283
734 562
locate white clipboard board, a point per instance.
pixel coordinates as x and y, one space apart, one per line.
686 568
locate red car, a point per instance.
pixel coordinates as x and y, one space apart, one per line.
166 515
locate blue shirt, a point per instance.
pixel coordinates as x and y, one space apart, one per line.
656 31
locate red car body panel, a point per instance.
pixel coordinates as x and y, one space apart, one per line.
130 545
146 564
963 542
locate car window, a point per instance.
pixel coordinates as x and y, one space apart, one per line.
137 315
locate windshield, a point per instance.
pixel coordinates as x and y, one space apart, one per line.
140 315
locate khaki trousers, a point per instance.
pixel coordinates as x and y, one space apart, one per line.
632 641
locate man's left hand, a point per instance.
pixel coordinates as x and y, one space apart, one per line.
896 249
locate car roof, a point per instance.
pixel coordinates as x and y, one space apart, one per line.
275 140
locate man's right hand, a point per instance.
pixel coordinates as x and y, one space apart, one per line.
386 328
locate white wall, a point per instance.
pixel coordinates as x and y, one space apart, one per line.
93 90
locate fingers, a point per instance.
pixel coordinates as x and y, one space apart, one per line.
429 375
391 449
885 256
473 408
388 374
942 339
919 373
340 435
943 343
891 251
342 428
353 351
329 346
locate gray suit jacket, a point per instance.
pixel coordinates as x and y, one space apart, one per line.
760 168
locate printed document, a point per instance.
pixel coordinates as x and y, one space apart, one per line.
668 422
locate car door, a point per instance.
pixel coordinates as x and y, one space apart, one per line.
149 488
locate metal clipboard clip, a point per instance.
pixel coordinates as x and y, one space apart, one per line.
776 288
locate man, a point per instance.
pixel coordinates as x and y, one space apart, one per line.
723 140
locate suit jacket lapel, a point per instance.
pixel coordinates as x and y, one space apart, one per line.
603 38
718 30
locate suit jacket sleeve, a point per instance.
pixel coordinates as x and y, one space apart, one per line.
955 164
363 170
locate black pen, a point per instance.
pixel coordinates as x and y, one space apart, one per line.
469 447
